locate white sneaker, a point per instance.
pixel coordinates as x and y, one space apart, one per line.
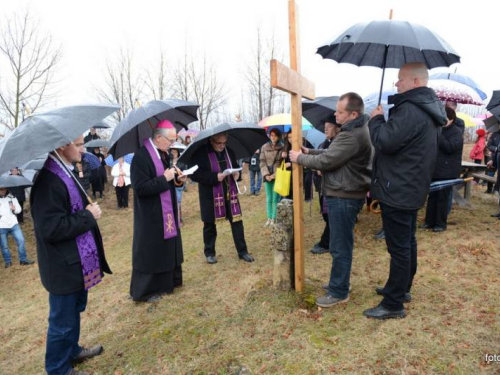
271 222
268 222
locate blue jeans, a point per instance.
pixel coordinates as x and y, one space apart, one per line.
64 331
17 233
342 218
255 181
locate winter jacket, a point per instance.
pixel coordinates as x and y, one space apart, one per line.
449 159
8 217
406 148
270 158
345 164
477 152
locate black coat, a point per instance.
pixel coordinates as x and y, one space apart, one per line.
151 253
19 193
406 148
56 229
87 173
460 124
449 159
493 142
207 179
254 162
98 175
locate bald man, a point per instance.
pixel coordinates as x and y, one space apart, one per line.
406 148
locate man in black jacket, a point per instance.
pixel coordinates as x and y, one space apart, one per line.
90 137
448 166
405 155
492 146
70 255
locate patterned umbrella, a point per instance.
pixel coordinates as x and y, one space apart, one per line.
451 91
283 122
191 132
469 121
460 78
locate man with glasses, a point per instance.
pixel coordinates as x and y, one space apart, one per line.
157 253
219 195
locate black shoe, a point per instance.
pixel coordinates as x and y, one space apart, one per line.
26 262
211 259
380 292
7 265
381 312
438 229
246 257
495 215
88 353
380 235
317 249
425 226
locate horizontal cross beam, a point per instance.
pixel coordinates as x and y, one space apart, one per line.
286 79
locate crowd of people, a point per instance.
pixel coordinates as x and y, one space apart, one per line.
394 160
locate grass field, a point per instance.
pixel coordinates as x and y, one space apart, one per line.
228 319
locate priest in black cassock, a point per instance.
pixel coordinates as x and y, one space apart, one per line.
219 195
157 245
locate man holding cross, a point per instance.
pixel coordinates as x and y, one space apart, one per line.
346 179
219 195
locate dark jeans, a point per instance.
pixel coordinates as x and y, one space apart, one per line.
122 196
308 184
325 237
436 214
255 181
342 218
64 331
210 236
399 226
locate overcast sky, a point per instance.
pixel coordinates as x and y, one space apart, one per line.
90 31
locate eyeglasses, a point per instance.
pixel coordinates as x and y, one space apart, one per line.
169 139
219 143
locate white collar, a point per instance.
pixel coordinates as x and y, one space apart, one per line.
70 167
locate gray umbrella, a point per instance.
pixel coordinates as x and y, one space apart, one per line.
14 181
35 164
43 133
315 137
129 134
97 143
317 110
492 124
389 44
101 125
242 138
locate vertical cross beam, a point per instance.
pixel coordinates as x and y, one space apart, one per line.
291 81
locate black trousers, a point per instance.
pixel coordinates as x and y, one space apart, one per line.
324 242
210 236
400 227
122 196
436 214
20 215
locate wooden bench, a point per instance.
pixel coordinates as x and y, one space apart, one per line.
484 177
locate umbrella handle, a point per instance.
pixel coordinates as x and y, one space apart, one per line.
238 187
74 178
372 207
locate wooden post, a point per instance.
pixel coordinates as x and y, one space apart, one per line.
291 81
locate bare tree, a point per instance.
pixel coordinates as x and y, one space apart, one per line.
123 84
199 81
32 58
263 99
158 79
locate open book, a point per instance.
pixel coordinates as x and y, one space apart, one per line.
189 171
231 170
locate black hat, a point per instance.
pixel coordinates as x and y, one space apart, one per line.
331 119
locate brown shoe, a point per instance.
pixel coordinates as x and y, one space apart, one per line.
88 353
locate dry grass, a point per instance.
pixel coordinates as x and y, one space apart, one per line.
227 319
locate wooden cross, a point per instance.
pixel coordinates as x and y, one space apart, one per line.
291 81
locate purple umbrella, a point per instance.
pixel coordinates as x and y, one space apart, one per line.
92 160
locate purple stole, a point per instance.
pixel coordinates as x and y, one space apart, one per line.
170 227
218 191
324 206
87 248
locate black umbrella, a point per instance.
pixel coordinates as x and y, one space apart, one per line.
97 143
317 110
130 133
494 101
14 181
243 139
314 137
492 124
389 44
